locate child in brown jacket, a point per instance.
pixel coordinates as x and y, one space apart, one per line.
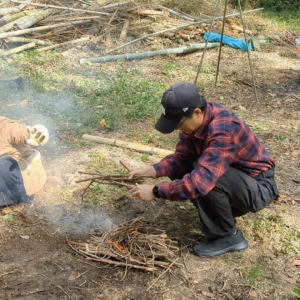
21 170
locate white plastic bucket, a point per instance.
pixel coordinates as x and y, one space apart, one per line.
298 48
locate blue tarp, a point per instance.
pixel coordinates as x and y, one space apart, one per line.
229 41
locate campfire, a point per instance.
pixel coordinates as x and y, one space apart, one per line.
133 244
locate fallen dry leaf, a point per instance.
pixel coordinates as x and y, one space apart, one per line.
295 263
253 294
24 103
296 154
291 280
103 124
208 294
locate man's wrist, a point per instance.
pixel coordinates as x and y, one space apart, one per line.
155 191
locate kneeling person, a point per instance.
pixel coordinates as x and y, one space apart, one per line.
21 170
219 165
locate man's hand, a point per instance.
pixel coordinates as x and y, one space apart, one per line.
38 135
143 192
149 171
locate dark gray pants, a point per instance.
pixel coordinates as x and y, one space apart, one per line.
12 189
234 195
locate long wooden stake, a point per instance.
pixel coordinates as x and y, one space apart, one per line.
41 28
62 7
134 146
84 39
182 26
221 44
18 49
204 51
249 57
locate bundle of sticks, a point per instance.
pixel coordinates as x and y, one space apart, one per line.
133 244
115 179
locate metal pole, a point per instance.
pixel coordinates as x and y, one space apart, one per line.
254 85
211 26
220 50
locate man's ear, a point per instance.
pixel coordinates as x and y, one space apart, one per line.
198 111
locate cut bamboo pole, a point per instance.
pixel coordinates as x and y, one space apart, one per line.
31 20
116 4
128 145
182 26
71 19
124 30
12 18
26 22
175 13
62 7
131 56
84 39
55 32
18 49
9 10
148 12
41 28
26 40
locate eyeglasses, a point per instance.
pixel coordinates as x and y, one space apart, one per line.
179 125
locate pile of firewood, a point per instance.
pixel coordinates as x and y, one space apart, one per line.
134 244
31 24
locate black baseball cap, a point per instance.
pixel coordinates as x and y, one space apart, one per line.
179 100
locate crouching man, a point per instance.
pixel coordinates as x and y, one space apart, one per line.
218 164
21 170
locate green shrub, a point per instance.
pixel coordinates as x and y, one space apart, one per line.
277 5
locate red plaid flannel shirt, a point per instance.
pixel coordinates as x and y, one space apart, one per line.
221 141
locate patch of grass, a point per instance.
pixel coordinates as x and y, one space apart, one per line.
281 138
254 274
272 231
145 157
296 293
258 126
77 103
289 19
168 67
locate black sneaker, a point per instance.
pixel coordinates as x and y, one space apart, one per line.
220 246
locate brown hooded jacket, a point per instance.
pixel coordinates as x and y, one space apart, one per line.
13 137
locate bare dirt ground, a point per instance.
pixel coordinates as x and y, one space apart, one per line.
37 262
